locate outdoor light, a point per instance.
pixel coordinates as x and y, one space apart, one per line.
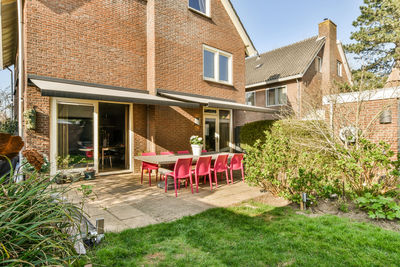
197 121
386 117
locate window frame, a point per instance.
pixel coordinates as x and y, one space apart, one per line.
319 64
254 95
339 68
284 88
208 9
217 52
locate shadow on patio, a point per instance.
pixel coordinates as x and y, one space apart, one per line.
124 203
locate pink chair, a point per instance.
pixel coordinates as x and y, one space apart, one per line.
203 168
184 152
204 151
221 165
149 167
182 170
236 164
167 153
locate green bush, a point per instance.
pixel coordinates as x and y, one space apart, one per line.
37 227
379 207
8 126
251 132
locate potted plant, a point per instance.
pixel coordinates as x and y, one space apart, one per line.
197 145
89 173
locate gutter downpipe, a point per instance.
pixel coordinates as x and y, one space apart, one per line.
298 97
12 92
20 64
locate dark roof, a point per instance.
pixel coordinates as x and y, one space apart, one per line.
283 62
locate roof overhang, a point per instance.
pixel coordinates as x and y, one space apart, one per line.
9 32
212 102
299 76
250 48
73 89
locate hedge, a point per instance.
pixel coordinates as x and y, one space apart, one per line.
253 131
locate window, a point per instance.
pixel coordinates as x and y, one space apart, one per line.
202 6
217 65
339 69
251 98
319 64
276 96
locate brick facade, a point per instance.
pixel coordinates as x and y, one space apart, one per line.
139 44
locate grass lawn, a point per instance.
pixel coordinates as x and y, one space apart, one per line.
251 234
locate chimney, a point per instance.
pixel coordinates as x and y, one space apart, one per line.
328 30
394 77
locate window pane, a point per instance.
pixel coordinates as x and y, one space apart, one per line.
223 68
271 97
209 64
250 99
199 5
210 128
224 126
75 136
281 96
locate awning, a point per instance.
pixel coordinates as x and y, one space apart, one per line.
8 32
213 102
71 89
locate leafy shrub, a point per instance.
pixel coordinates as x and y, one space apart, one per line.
36 226
8 126
379 207
251 132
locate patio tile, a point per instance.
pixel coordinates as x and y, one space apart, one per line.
125 212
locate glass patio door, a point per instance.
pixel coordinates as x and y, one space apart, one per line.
210 140
217 130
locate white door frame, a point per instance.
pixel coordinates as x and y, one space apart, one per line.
53 132
216 117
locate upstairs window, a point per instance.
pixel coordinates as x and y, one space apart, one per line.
202 6
339 69
217 65
251 98
319 64
276 96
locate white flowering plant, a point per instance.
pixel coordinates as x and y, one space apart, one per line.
196 140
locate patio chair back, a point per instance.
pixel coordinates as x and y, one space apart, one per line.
183 168
220 163
204 151
167 153
237 162
147 165
149 154
203 166
184 152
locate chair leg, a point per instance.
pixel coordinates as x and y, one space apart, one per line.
231 175
166 183
149 177
176 191
197 182
210 178
157 175
141 179
227 177
191 183
242 173
216 179
110 162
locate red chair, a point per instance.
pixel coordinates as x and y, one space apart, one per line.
221 165
203 168
167 153
236 164
149 167
204 151
184 152
182 170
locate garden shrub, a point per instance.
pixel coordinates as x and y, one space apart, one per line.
253 131
379 207
8 126
37 227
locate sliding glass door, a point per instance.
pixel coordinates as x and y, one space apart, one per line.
217 130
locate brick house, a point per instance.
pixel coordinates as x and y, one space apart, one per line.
291 77
108 80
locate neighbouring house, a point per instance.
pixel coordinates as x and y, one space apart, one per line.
378 111
102 80
295 77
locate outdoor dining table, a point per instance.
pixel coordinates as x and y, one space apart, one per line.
171 159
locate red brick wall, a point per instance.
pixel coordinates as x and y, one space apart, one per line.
94 41
345 115
180 34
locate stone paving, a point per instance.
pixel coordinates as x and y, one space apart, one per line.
124 203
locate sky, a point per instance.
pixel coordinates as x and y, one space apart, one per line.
275 23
